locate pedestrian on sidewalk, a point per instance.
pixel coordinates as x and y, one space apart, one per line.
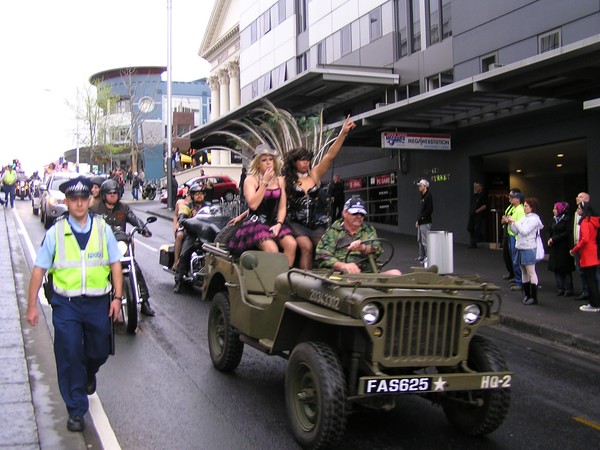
80 252
516 214
506 251
585 292
135 186
587 249
560 260
477 211
423 223
527 229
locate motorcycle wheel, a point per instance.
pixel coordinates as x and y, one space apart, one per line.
129 306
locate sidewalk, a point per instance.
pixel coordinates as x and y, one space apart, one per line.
557 319
31 411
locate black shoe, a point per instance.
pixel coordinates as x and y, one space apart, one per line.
529 301
584 296
147 309
90 386
559 293
75 423
508 276
568 294
177 287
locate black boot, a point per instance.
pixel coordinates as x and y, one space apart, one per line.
532 300
526 292
147 309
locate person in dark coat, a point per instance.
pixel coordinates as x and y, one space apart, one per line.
559 260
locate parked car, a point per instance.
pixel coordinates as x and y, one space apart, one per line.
223 187
52 200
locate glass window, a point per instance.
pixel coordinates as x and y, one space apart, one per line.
302 9
446 19
346 40
281 10
267 82
375 24
253 32
434 22
548 41
321 53
302 62
402 29
255 89
488 63
415 15
266 22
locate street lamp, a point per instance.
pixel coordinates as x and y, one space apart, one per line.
170 199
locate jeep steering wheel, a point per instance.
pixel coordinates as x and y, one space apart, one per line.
376 262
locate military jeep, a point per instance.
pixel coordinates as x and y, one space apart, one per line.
359 341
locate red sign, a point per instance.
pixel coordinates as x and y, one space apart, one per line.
355 183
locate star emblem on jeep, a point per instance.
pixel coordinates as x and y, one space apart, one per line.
440 384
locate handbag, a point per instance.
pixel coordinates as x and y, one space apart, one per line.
539 249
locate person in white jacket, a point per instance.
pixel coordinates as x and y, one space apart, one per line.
527 230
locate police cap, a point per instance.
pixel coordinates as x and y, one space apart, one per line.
77 187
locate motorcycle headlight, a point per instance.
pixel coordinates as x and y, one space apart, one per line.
370 313
122 246
471 314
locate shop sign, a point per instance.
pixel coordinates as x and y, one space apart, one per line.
415 141
355 183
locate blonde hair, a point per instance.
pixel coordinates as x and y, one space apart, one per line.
254 165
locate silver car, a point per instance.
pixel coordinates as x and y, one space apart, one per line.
52 203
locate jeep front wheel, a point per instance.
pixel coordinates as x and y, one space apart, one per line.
224 343
315 395
479 412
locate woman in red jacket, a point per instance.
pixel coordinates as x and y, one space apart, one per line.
588 252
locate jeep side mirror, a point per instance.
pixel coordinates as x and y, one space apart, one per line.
249 261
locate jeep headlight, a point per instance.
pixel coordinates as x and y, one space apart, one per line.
471 314
370 313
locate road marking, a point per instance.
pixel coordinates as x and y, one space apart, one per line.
106 434
139 242
593 425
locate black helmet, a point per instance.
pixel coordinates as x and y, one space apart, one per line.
110 186
98 181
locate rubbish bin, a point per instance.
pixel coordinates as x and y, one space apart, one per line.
440 251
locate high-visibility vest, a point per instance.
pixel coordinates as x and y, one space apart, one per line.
79 272
10 177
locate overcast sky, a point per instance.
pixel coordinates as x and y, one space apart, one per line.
51 47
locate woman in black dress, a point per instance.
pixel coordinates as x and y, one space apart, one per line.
559 260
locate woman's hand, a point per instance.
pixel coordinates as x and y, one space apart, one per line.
275 229
267 177
348 125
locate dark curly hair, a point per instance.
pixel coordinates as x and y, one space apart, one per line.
289 167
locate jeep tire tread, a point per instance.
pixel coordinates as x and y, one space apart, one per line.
315 395
224 343
474 420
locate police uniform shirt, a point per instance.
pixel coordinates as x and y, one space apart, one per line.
45 256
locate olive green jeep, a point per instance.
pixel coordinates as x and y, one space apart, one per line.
359 341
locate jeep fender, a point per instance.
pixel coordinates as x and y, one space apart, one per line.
297 316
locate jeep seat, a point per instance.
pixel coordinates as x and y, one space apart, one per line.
258 283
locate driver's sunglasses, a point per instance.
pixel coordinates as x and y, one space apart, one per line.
357 214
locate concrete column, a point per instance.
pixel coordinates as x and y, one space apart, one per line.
233 68
224 91
215 109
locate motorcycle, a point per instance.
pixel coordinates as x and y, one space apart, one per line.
22 189
36 196
205 226
149 191
131 290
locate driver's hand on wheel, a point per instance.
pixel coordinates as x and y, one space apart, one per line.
349 268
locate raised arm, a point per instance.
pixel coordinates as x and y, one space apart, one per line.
321 169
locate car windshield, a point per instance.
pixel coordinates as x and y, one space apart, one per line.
56 182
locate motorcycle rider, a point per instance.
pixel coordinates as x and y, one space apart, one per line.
186 212
117 214
96 184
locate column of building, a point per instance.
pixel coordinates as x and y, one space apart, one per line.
215 107
233 68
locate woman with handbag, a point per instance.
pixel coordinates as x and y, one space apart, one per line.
587 248
527 231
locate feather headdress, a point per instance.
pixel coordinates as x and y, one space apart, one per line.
277 129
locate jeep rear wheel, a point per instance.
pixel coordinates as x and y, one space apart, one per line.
224 343
479 412
315 395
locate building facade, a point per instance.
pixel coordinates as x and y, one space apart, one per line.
137 115
453 91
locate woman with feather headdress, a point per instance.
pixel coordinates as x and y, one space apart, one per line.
303 183
264 191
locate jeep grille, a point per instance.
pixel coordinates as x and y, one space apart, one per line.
418 329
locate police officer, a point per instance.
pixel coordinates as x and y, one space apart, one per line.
117 214
80 251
